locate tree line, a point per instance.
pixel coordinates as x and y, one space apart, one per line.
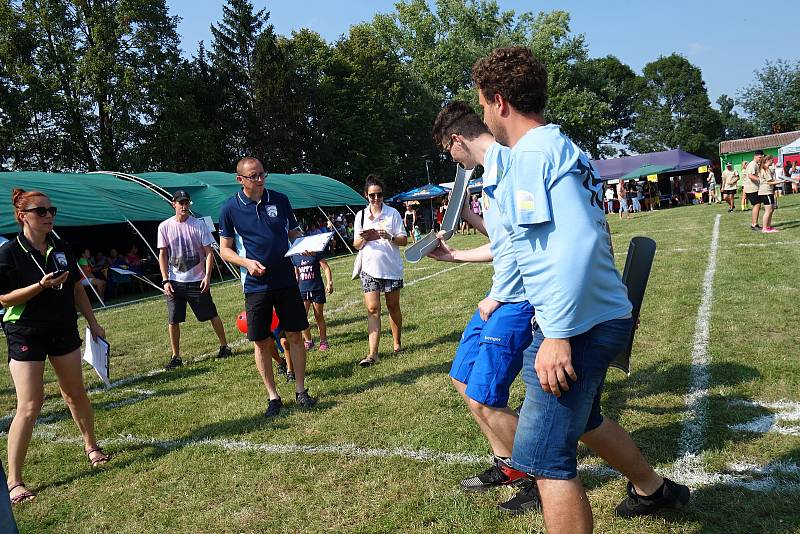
101 84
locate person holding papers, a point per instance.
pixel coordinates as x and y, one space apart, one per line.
40 286
255 226
379 234
186 260
308 270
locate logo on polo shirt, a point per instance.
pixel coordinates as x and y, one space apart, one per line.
272 210
61 259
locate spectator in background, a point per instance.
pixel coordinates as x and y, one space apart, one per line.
313 291
795 176
729 180
744 177
637 196
133 259
766 193
90 279
609 199
410 217
712 187
623 202
440 214
100 265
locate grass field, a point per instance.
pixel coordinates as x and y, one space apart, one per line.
387 445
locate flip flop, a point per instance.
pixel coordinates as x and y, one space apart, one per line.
101 459
369 360
398 350
25 496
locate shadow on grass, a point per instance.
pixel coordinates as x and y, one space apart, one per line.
787 224
404 377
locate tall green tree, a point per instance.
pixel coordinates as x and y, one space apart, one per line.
773 100
674 110
733 125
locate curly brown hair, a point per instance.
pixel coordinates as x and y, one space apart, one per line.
457 117
515 74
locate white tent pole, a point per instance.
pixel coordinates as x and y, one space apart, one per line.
337 231
83 274
155 254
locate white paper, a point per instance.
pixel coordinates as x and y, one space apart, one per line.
310 243
120 270
95 353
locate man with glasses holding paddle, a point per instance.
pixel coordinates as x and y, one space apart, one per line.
255 226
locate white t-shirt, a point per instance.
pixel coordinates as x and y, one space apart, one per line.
381 258
184 242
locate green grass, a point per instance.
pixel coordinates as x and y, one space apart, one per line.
164 479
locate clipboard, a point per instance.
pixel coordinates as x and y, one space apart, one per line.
98 355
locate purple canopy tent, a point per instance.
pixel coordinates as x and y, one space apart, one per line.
611 169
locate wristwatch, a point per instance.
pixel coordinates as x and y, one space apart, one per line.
165 282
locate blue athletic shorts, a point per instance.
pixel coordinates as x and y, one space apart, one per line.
546 442
489 357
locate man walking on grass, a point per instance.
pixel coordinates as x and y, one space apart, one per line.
550 203
489 356
255 226
186 260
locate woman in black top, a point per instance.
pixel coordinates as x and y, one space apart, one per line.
39 289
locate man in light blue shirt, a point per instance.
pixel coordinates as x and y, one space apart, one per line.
489 356
551 206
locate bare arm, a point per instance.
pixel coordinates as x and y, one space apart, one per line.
85 307
444 252
24 294
328 276
205 283
163 257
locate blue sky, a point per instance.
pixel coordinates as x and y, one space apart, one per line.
728 40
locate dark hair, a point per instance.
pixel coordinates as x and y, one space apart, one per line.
20 199
759 153
516 74
457 117
373 179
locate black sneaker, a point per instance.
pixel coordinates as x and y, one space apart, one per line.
304 400
290 376
671 496
274 407
500 474
755 228
224 352
174 363
526 500
282 367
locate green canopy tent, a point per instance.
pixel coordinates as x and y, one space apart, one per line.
646 170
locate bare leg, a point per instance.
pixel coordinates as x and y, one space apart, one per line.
754 215
287 351
565 506
614 445
219 329
70 381
307 331
175 338
319 317
264 365
372 300
498 424
395 317
28 383
298 357
767 222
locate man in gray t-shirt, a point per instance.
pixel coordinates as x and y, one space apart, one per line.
186 259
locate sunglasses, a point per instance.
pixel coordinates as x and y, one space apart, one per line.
42 212
375 195
255 177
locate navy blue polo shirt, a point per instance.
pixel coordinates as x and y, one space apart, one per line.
260 230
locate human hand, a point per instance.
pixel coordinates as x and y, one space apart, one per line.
443 252
329 288
369 235
255 268
554 365
50 280
205 284
486 308
97 330
383 234
167 288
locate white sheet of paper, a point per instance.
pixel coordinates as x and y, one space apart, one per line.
126 272
310 243
95 353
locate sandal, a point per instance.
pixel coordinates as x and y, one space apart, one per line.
369 360
100 459
398 350
25 496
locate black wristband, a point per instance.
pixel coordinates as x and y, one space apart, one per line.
165 282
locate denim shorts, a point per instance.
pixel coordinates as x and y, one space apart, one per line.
489 357
546 442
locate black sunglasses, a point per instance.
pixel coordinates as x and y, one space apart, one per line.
42 212
375 195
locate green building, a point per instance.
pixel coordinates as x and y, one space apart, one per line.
739 150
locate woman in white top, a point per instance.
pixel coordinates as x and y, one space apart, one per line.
379 235
766 192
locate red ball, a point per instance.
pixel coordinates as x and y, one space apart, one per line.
241 322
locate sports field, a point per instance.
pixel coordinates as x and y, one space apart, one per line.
713 401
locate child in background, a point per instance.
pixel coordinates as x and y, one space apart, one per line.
313 291
417 235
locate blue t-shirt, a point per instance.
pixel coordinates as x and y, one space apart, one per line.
551 203
309 278
260 230
506 281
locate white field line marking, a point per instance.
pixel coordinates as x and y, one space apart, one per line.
660 251
768 244
785 411
689 464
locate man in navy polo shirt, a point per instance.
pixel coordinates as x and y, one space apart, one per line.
255 226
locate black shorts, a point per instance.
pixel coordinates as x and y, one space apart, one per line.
729 192
767 200
201 303
35 344
317 296
288 307
753 198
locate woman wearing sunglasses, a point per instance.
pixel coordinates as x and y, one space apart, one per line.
379 235
40 285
